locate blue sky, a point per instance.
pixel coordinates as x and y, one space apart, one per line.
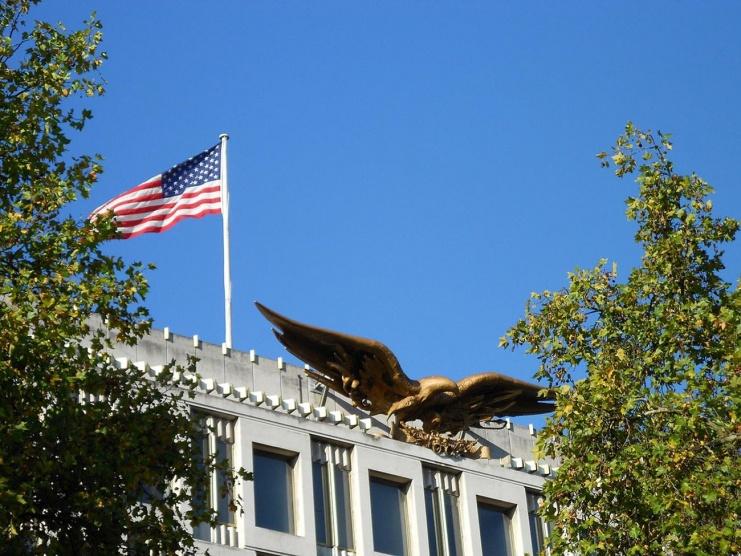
408 171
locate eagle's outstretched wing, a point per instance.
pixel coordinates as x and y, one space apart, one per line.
363 369
485 396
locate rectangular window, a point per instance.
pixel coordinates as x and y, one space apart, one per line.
388 512
332 509
494 525
215 442
273 480
538 528
441 506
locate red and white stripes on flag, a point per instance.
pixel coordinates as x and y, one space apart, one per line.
191 189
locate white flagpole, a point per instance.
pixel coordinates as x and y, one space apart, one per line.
227 265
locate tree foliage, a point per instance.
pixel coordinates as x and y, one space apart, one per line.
74 476
649 437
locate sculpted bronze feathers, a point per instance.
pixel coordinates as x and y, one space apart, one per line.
369 374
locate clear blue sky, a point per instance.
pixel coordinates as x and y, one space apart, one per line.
408 171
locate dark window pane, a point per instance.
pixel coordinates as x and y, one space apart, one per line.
202 531
433 521
537 534
387 512
344 515
223 494
322 514
202 493
494 526
451 521
273 492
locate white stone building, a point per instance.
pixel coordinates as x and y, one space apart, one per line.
327 480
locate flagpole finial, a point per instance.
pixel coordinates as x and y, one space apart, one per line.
224 136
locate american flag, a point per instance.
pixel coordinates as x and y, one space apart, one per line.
191 189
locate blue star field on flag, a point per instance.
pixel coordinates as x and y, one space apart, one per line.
199 169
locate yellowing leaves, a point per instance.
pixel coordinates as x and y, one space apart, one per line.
657 408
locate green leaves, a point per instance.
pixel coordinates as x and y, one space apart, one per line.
646 375
72 474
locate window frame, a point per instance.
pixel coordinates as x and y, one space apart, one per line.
541 532
333 462
443 485
403 485
214 429
508 513
290 459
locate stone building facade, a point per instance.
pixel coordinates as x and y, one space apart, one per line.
328 481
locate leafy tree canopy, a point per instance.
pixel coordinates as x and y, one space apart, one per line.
73 475
649 437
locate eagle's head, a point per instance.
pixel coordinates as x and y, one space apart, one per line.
429 389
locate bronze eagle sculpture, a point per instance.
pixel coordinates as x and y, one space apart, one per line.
369 374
